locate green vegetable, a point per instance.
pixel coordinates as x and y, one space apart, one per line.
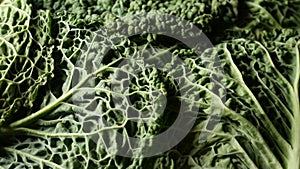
26 62
71 80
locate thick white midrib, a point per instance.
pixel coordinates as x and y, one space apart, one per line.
294 160
280 140
295 151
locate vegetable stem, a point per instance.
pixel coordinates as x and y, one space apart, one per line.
44 111
294 162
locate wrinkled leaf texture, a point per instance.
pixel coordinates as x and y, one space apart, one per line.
44 115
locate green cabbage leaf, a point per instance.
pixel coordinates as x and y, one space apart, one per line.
66 94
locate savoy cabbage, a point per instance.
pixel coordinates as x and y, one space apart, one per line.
66 86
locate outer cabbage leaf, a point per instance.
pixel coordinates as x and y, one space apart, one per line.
259 127
25 58
68 130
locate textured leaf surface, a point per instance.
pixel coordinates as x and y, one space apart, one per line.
26 61
66 92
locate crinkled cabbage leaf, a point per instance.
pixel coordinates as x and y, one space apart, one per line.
64 89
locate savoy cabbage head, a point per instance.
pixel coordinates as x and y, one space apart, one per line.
74 88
